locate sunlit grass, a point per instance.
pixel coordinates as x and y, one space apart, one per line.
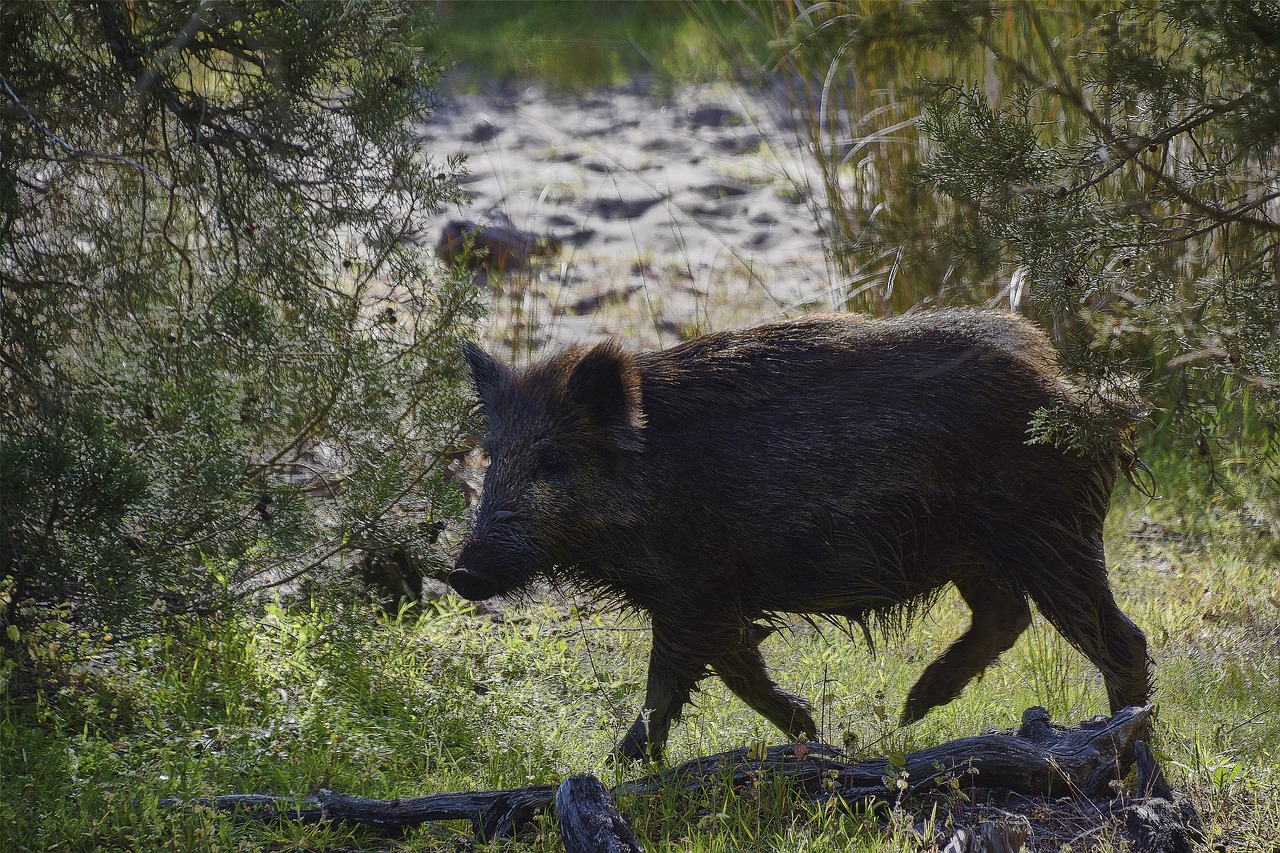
584 44
296 699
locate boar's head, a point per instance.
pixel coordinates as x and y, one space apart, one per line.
562 438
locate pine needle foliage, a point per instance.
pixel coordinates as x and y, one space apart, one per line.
1107 167
227 359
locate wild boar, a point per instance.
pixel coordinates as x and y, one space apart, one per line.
831 466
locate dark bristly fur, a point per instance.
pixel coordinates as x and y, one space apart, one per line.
829 466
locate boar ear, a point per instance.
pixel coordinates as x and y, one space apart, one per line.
488 374
605 384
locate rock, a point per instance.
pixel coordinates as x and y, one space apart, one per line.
482 131
433 589
721 190
661 144
735 144
491 247
592 303
709 115
620 208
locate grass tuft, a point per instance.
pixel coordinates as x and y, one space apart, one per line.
297 698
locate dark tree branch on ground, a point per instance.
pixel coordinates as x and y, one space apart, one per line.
1039 760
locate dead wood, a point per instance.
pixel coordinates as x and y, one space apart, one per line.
493 814
998 836
1155 821
1039 760
589 821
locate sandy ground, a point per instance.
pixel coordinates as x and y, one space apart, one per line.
679 214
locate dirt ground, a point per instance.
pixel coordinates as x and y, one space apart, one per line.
679 213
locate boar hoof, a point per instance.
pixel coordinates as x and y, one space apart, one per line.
634 746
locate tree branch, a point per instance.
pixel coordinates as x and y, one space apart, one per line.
1039 760
74 151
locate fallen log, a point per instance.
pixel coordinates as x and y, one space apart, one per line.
589 821
493 814
1155 821
1038 760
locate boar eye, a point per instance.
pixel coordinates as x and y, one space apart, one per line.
553 463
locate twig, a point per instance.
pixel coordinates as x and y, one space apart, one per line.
74 151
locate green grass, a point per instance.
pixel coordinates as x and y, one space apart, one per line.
296 699
582 44
288 700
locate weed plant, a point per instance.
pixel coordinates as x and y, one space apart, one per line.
576 44
302 696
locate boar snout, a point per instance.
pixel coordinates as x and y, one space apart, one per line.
493 564
472 586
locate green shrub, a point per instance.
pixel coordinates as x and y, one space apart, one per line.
1104 167
228 360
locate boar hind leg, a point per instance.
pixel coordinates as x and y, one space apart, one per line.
671 679
743 671
1072 592
1000 615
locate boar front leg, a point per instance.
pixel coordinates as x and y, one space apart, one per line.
743 671
1000 615
672 677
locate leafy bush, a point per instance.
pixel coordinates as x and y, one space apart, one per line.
1105 167
228 360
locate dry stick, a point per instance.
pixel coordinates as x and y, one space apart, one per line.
1038 760
493 814
1153 820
